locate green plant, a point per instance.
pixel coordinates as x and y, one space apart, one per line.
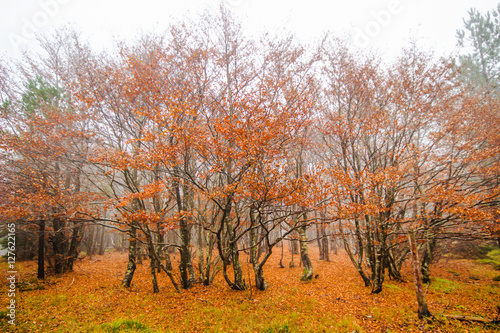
284 328
122 325
444 285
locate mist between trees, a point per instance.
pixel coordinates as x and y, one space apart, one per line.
201 143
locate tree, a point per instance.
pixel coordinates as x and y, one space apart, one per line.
42 185
481 66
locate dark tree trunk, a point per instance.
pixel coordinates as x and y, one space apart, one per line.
41 250
132 250
231 251
152 265
357 263
73 248
59 245
260 283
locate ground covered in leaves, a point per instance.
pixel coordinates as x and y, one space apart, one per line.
90 299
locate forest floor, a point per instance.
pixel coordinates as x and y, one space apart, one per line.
90 299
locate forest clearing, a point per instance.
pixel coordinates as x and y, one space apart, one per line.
163 186
90 299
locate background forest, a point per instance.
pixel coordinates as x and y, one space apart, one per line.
207 154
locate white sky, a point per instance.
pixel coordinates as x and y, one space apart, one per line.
383 25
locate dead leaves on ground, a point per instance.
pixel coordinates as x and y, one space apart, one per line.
335 301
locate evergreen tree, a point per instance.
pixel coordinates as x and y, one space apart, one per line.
481 34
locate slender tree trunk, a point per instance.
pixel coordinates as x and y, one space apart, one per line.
254 253
91 241
232 250
152 264
304 255
320 245
208 262
423 311
357 263
201 257
41 250
378 271
138 253
132 252
295 246
102 244
73 248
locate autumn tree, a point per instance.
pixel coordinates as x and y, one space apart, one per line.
38 139
380 129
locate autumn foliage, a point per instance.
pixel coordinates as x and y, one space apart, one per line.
203 147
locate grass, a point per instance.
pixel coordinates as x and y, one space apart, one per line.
444 286
490 255
120 325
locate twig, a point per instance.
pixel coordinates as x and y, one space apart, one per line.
204 300
468 318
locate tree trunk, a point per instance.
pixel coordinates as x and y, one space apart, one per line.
423 311
132 251
426 261
152 265
138 253
378 270
102 244
91 241
304 255
231 251
59 245
41 250
357 263
295 246
254 253
320 245
208 262
73 248
201 257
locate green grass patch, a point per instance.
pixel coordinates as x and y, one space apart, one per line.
121 325
443 285
279 328
489 255
393 287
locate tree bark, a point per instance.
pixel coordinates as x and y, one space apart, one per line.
304 255
73 248
102 241
132 251
426 261
152 264
41 250
423 310
59 245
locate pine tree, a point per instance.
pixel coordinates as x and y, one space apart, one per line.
481 34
